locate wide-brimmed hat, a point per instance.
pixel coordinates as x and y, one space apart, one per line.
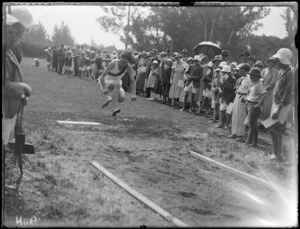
163 53
234 65
255 72
184 51
222 64
225 53
11 20
177 55
148 54
190 59
272 58
226 68
168 61
284 55
244 66
154 62
217 58
218 70
197 57
245 53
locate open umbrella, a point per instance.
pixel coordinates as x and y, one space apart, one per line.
208 48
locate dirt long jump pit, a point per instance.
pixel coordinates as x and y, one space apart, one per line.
153 157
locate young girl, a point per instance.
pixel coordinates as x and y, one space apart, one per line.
254 99
152 80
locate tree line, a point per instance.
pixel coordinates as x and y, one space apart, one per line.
176 28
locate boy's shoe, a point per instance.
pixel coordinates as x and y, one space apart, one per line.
190 110
107 102
182 109
115 112
233 136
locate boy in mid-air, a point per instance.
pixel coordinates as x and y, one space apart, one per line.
110 81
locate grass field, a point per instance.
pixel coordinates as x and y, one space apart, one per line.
147 147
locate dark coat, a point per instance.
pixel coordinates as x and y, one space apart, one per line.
196 71
228 90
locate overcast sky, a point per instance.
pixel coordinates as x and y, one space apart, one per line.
82 23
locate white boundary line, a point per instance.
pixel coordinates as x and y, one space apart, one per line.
79 123
138 196
236 172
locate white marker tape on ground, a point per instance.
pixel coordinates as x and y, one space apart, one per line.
141 198
237 172
79 123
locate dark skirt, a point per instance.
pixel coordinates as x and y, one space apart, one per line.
140 81
158 87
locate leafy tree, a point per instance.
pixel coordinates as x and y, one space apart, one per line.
36 34
62 35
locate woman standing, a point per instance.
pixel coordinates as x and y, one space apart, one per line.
270 77
239 108
141 73
282 99
177 85
152 79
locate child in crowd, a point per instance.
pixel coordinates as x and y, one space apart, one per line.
254 100
227 93
152 80
68 64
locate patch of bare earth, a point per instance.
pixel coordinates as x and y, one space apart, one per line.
147 146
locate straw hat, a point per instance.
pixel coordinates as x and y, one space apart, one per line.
155 62
197 57
177 55
11 20
190 59
222 64
284 55
226 68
